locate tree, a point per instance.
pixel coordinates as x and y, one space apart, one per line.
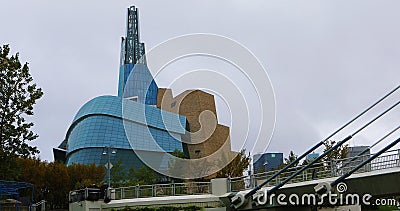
18 94
291 157
118 174
53 181
85 175
339 153
57 183
142 176
236 167
305 162
179 154
34 171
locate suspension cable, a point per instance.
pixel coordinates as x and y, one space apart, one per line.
258 187
344 176
331 149
370 147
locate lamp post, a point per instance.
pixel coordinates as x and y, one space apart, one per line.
108 151
265 166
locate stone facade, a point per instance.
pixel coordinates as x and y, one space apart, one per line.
206 135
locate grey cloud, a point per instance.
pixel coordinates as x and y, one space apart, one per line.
326 60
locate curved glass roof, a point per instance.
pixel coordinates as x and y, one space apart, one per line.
133 111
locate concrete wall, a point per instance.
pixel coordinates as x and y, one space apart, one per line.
86 206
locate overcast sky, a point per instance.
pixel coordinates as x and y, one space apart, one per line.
327 60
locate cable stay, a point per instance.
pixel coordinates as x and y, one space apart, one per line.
323 188
238 199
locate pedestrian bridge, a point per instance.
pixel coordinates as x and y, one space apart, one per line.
380 178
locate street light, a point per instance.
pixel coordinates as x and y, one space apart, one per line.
265 166
108 151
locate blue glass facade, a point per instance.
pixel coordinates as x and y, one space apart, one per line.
132 111
127 157
95 155
126 126
138 82
129 123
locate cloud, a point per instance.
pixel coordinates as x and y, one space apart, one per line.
326 60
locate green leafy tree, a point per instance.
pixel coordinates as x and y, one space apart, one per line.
305 162
339 153
236 167
288 160
142 176
85 175
179 154
118 174
18 94
291 157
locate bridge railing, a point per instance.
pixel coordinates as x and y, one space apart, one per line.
143 191
173 189
41 204
389 159
91 194
316 171
334 168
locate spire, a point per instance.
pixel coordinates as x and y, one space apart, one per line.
135 79
132 50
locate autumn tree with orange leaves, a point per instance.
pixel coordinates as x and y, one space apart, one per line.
53 181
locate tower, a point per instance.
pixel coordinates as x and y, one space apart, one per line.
135 79
118 122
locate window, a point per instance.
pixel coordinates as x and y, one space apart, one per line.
135 98
173 104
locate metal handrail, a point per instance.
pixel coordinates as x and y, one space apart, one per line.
172 189
317 170
320 170
41 203
143 191
388 159
255 189
363 163
334 168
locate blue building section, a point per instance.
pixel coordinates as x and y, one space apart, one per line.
139 84
267 161
130 123
133 111
126 126
312 156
